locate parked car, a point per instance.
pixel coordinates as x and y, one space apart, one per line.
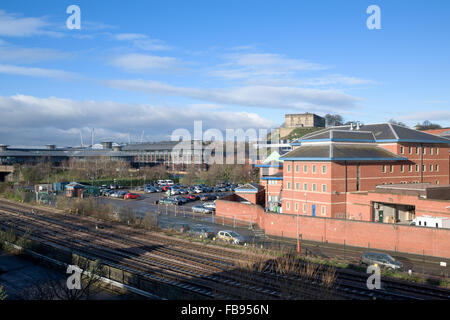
202 232
139 188
230 237
381 259
168 201
130 195
205 197
201 209
210 204
150 189
181 199
191 197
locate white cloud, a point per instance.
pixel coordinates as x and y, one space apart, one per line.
432 115
142 41
29 120
276 97
10 53
136 62
257 65
11 25
35 72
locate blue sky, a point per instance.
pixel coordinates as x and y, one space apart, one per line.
156 66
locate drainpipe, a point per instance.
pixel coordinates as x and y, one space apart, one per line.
421 163
346 189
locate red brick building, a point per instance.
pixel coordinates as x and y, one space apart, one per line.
328 164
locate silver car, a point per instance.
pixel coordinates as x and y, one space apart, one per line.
380 259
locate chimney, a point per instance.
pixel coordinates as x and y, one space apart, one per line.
358 125
351 125
107 144
50 147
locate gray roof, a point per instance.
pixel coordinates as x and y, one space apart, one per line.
384 132
340 151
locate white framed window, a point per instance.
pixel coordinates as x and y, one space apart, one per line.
305 169
324 188
314 168
296 206
314 187
324 210
305 207
305 187
324 169
288 205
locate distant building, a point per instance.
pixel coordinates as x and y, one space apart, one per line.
300 120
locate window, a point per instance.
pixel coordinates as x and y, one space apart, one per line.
437 168
324 210
288 185
314 187
402 168
437 151
296 206
289 168
324 188
305 168
288 205
402 151
424 168
431 151
410 168
417 150
305 187
417 168
384 168
391 168
297 168
437 181
314 168
304 208
410 150
297 186
424 150
431 167
324 169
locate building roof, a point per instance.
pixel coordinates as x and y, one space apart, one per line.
341 152
276 176
383 132
249 187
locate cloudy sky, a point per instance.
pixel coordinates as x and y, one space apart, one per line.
155 66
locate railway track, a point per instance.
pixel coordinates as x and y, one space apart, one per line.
203 269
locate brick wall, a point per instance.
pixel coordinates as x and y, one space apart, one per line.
433 242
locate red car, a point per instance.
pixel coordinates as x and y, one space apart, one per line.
131 196
191 197
165 188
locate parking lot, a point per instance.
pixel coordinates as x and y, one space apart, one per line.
181 217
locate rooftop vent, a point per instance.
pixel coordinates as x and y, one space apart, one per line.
50 146
3 147
117 148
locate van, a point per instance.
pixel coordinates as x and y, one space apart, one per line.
168 182
380 259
